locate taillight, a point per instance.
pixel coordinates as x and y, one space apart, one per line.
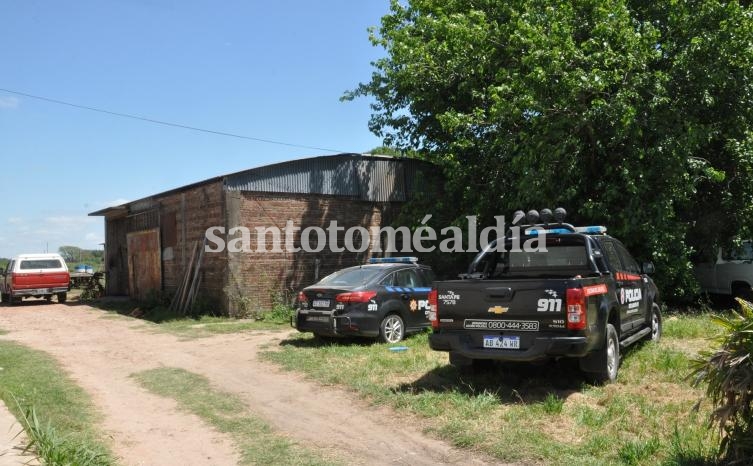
302 298
433 309
356 297
576 309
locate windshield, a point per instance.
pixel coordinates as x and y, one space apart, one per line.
559 258
353 276
41 264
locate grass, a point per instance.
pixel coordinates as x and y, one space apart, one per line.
532 413
56 413
189 327
256 441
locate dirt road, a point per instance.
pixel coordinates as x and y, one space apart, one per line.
101 352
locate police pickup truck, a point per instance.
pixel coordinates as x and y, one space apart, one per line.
581 296
386 298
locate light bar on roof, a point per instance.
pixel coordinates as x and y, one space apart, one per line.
592 230
589 230
393 260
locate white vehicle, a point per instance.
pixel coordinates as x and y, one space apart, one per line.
730 273
35 275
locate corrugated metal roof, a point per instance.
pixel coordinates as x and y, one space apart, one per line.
374 178
368 178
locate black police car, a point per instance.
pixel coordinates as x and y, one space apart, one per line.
386 298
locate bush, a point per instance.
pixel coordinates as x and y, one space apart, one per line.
728 375
282 310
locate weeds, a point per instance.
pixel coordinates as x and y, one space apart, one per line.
54 449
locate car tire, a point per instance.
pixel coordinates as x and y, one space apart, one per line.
62 297
48 298
655 324
609 356
392 329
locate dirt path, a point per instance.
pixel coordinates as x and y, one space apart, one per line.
101 354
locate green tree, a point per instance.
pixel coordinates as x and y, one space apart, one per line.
70 253
632 114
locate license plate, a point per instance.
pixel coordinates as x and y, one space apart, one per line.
320 303
502 342
317 318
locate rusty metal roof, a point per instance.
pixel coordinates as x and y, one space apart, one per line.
363 177
373 178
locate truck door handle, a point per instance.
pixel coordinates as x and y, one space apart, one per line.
404 296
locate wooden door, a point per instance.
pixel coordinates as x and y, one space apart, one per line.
144 263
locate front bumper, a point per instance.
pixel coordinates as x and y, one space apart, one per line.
542 347
328 324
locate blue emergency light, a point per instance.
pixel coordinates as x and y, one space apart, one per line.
393 260
589 230
592 230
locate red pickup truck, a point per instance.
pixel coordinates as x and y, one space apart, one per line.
35 275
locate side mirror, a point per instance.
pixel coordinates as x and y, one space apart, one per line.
648 268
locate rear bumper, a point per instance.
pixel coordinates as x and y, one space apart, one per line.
543 347
38 291
328 324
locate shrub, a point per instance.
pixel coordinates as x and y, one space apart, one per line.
728 375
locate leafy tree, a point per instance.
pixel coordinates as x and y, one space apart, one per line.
632 114
70 253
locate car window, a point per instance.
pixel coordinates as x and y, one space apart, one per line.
389 280
630 264
612 256
428 277
407 278
9 268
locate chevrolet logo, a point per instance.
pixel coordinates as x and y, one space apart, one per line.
498 310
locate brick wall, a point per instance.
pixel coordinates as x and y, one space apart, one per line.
261 277
184 218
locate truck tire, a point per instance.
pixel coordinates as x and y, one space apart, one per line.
392 329
602 365
743 292
62 297
655 324
4 298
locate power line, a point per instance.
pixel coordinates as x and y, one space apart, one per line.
167 123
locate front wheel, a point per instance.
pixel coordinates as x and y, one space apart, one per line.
392 329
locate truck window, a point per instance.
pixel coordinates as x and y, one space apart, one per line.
612 256
744 252
561 258
630 264
40 264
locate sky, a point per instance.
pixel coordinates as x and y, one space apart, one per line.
269 70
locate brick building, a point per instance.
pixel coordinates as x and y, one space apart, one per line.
150 242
